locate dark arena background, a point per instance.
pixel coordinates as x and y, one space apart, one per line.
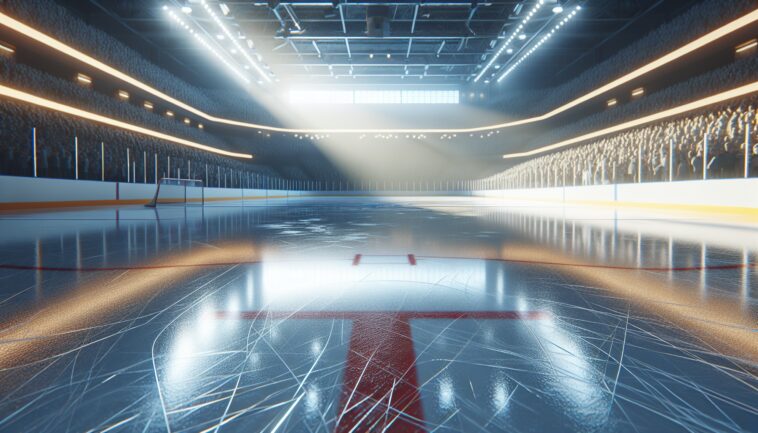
353 216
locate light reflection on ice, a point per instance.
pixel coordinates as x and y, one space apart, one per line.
446 393
316 348
312 401
574 379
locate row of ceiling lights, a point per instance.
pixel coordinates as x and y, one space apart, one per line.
187 9
544 39
251 62
235 42
506 45
201 40
519 34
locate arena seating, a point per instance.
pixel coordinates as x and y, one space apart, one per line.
55 151
615 159
40 83
733 75
617 155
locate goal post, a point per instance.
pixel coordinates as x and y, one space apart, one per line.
178 192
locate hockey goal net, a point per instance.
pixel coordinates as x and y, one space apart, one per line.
178 192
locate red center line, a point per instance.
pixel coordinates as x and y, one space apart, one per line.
123 268
400 315
380 363
380 386
613 267
411 260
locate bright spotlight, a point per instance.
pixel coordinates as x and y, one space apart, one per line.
186 9
522 36
557 9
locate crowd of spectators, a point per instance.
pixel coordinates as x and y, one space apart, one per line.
62 24
670 150
40 83
735 74
103 152
685 27
56 137
616 159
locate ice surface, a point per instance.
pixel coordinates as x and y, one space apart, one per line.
511 317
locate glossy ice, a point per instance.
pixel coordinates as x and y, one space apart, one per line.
380 315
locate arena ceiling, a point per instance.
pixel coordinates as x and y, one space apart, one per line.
368 42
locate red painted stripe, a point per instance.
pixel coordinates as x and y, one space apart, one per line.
357 259
412 259
120 268
615 267
380 390
525 262
488 315
400 315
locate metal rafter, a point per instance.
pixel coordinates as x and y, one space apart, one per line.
436 34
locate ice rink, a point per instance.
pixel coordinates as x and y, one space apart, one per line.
361 314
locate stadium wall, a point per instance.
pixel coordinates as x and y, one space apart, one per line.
720 195
19 193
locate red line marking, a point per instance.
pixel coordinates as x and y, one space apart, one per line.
380 374
614 267
411 261
400 315
357 259
380 390
121 268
